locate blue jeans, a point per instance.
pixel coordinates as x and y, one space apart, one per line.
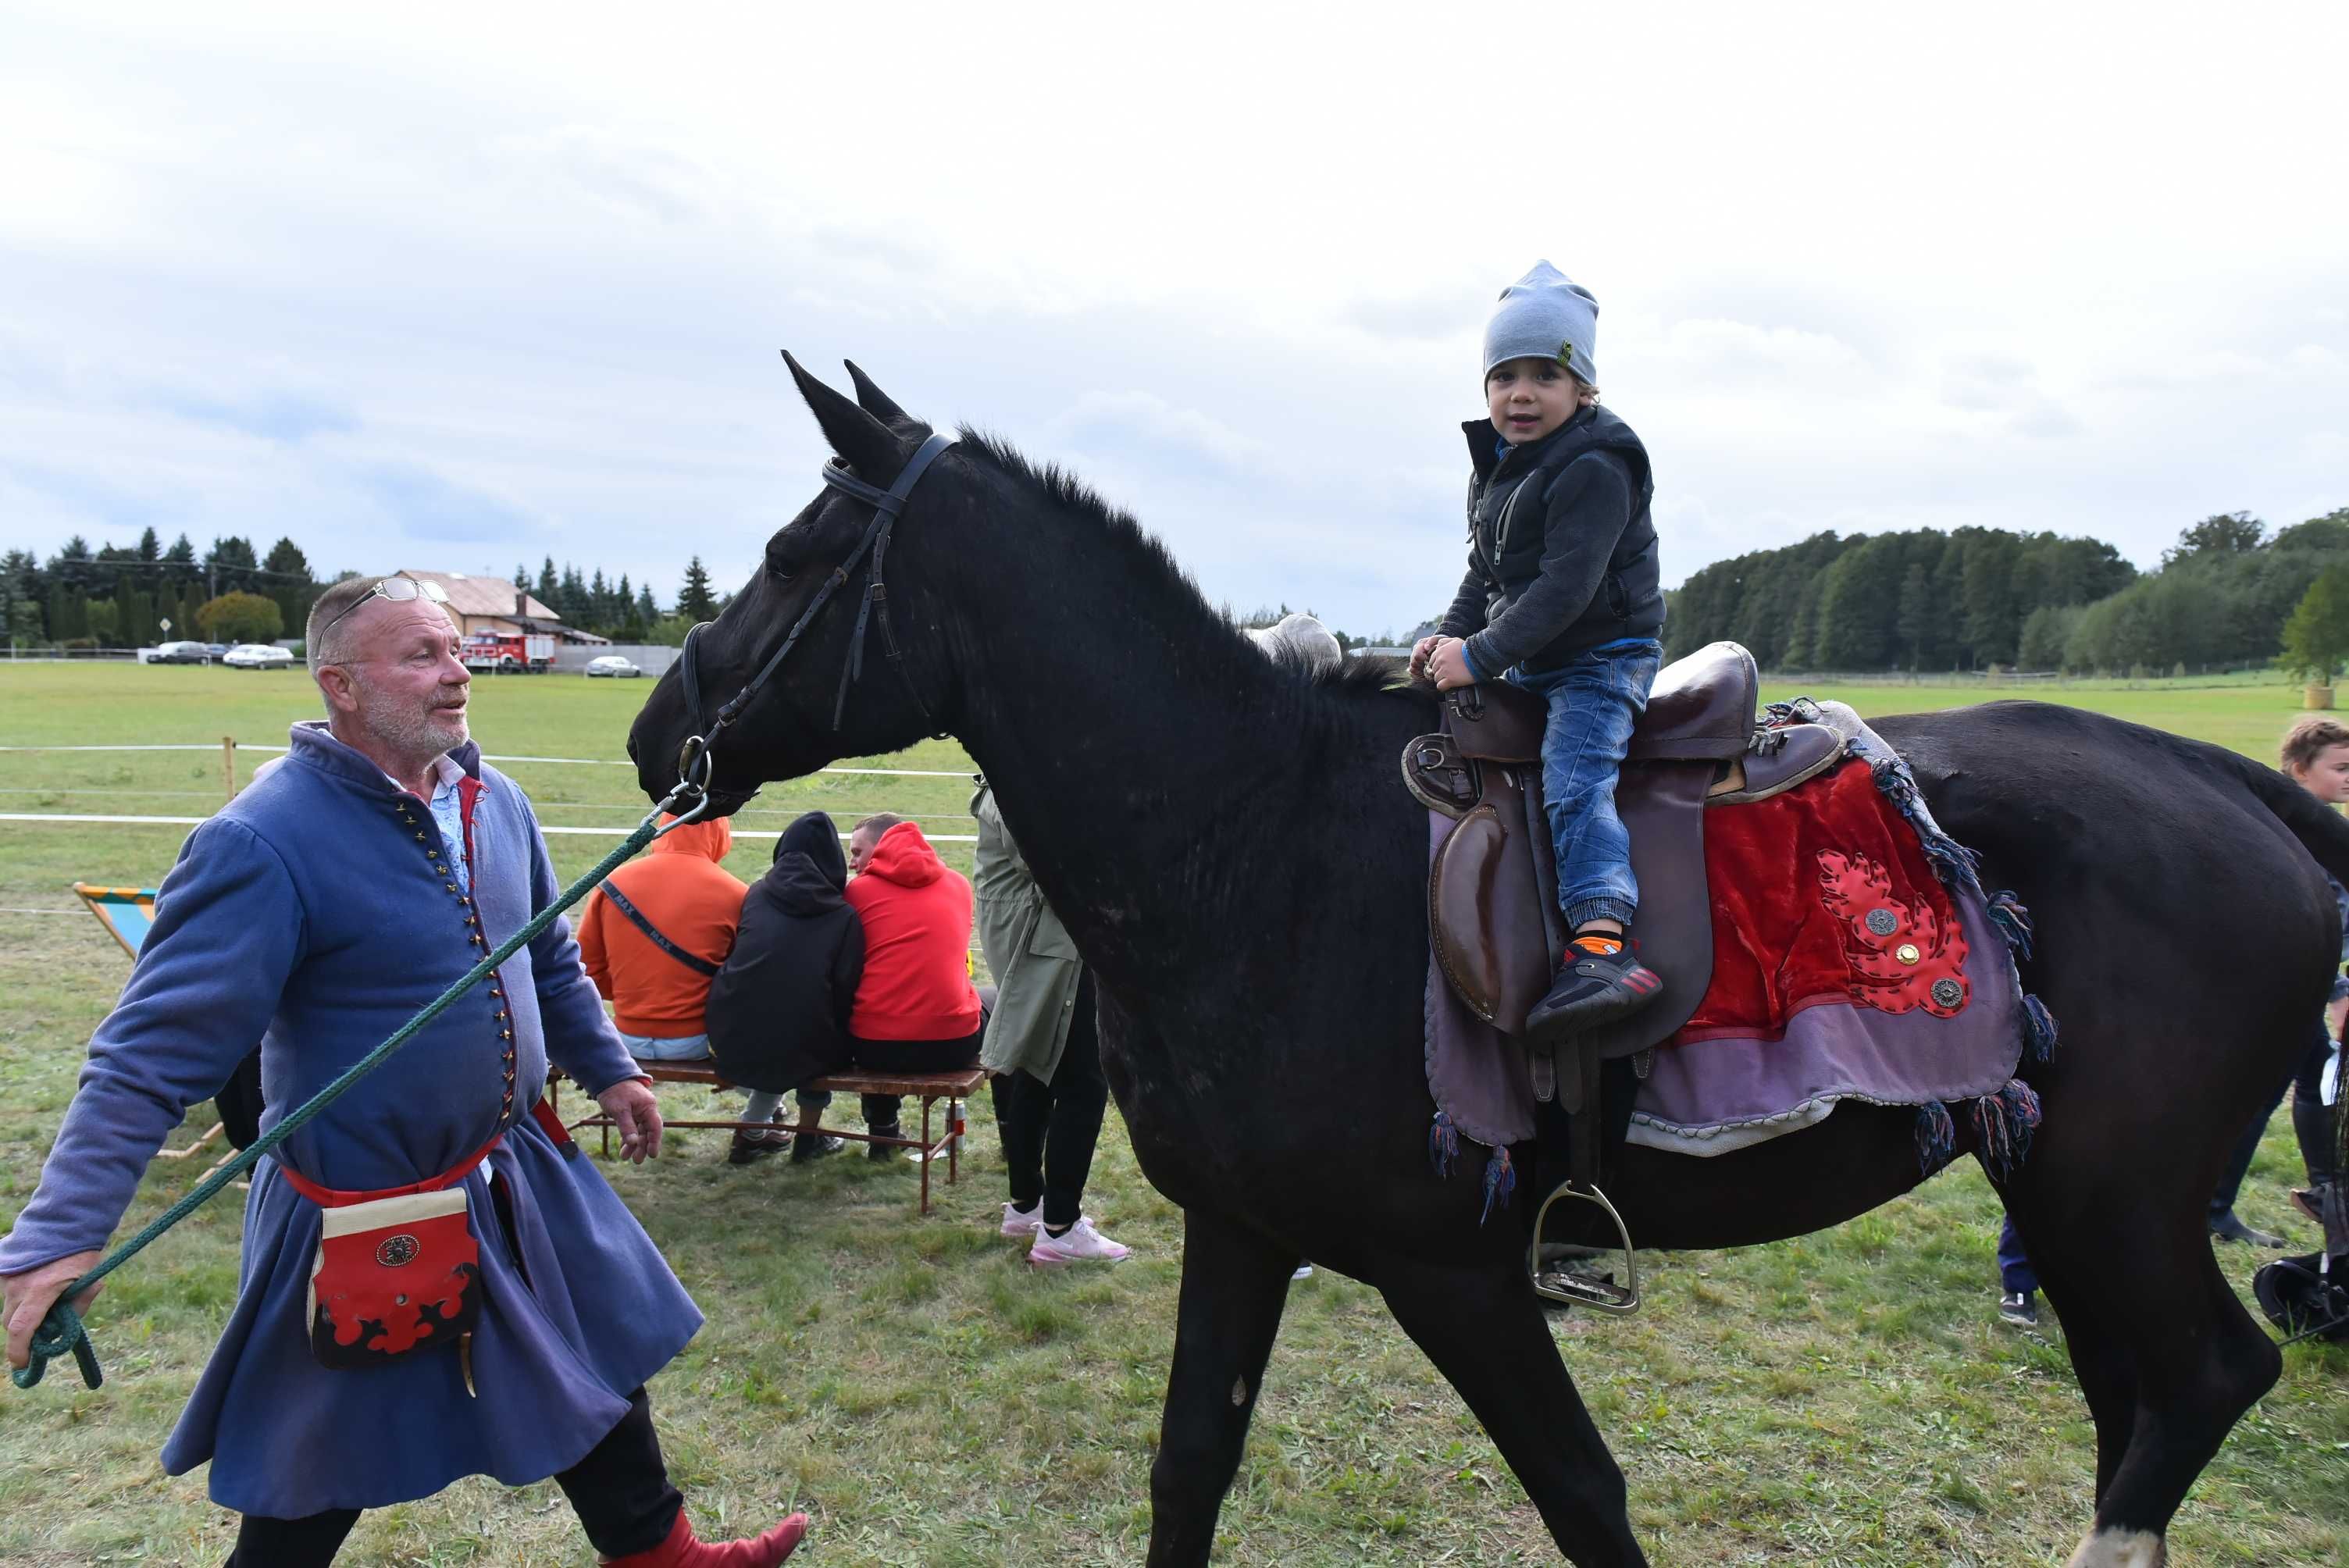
2016 1274
1594 701
759 1107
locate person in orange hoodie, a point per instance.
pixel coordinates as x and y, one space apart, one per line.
653 938
917 1010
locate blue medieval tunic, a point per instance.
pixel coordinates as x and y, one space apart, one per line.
310 914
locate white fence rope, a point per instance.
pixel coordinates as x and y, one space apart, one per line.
489 757
542 827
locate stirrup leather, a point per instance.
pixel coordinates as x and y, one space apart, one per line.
1578 1289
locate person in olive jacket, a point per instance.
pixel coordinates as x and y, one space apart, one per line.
777 1010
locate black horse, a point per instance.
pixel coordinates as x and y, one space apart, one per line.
1233 853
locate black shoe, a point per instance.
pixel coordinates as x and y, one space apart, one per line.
1591 989
749 1148
809 1146
2227 1228
882 1153
2020 1308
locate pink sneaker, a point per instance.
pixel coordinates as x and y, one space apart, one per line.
1079 1243
1019 1222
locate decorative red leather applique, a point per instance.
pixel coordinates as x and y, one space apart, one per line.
1902 957
384 1289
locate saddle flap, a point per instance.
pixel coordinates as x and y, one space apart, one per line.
1662 806
1484 916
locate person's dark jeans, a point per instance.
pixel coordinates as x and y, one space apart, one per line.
2306 1076
917 1056
620 1493
1050 1129
2016 1274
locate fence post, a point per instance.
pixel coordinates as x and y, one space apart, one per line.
228 765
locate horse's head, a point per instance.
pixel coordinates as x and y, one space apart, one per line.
868 672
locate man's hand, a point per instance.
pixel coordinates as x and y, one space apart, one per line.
1447 663
630 1103
1419 655
29 1296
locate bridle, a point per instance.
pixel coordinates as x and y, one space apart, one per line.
693 756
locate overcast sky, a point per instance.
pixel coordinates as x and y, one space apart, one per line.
456 287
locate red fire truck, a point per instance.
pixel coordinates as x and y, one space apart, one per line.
508 653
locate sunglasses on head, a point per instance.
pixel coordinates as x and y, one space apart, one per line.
398 590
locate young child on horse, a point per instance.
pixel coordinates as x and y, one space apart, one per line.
1561 598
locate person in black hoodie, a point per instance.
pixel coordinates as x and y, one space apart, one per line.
1562 598
777 1010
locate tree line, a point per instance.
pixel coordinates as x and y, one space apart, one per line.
121 596
1976 597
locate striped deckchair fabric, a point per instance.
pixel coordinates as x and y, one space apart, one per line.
126 913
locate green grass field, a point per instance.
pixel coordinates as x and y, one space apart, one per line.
1848 1398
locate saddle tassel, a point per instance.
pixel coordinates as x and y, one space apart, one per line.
1500 1181
1937 1136
1442 1143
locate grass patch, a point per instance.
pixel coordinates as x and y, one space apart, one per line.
1847 1398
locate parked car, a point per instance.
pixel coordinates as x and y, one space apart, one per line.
181 653
613 665
256 657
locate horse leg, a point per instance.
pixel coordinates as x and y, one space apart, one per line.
2163 1385
1234 1284
1485 1332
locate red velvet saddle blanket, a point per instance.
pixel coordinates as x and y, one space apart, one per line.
1844 968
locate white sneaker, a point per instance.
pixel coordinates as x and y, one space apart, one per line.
1019 1222
1079 1243
1304 1271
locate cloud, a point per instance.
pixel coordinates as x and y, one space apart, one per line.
1148 419
634 177
427 508
273 416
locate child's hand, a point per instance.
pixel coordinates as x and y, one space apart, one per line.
1419 652
1447 663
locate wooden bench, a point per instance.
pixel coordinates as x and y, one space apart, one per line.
928 1088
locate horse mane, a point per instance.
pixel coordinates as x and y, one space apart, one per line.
1165 580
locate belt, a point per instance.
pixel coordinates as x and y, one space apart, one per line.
334 1197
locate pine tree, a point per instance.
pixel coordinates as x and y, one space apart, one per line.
647 608
694 601
521 578
149 548
547 590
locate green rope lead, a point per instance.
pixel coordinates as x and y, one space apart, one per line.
62 1329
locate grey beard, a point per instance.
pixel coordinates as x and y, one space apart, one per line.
411 735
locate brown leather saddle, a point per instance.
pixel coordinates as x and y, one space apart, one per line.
1493 912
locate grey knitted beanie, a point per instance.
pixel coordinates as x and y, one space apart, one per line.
1544 315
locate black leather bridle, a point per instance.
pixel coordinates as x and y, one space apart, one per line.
693 756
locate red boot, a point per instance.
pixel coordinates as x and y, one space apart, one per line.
682 1550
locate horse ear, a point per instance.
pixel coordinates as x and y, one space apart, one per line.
870 447
871 398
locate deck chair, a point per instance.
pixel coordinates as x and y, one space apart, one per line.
128 913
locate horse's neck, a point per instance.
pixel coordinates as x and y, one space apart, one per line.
1145 761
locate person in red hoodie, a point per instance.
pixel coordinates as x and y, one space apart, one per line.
917 1010
653 937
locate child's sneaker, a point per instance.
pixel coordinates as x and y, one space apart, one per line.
1079 1243
1591 989
1020 1222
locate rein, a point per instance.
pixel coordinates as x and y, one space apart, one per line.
693 756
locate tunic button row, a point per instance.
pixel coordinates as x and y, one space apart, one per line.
505 1033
